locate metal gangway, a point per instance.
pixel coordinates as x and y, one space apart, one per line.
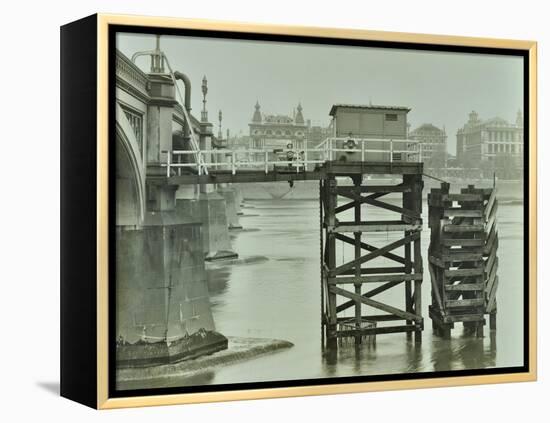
297 160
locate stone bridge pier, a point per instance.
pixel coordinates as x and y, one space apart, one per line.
209 206
163 232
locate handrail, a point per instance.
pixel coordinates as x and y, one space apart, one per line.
295 159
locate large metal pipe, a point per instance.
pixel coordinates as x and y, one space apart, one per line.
187 83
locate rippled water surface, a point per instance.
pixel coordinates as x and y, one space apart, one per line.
275 293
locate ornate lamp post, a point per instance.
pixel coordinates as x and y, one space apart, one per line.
220 125
204 113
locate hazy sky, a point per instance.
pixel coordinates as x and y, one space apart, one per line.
440 88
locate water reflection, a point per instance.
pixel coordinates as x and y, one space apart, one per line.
466 352
414 358
217 279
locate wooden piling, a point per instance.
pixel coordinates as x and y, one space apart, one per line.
463 258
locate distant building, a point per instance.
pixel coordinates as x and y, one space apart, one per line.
277 131
316 134
479 142
432 144
240 142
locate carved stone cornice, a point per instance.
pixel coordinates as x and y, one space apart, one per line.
130 78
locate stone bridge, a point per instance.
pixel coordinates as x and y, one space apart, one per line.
164 232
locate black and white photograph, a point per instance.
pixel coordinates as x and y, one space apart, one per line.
290 210
271 212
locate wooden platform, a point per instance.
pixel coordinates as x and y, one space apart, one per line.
285 173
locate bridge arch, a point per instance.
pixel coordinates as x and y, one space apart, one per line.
130 174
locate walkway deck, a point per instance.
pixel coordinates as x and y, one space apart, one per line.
285 174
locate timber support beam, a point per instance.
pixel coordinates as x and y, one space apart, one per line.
353 255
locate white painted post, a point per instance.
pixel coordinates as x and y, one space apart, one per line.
233 170
204 166
168 156
266 167
199 159
362 150
391 151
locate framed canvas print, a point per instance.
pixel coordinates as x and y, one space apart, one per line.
254 211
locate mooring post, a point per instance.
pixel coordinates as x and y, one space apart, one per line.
437 273
322 262
412 201
493 320
418 266
418 291
330 252
408 284
357 255
407 204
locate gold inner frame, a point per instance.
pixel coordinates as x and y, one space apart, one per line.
103 22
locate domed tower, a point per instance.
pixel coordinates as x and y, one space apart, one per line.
257 117
473 118
299 118
256 128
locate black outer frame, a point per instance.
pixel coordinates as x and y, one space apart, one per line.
79 204
79 211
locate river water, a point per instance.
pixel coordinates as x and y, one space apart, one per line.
274 292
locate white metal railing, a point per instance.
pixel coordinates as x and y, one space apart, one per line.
295 159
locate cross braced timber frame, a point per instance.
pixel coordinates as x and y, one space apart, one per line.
365 279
